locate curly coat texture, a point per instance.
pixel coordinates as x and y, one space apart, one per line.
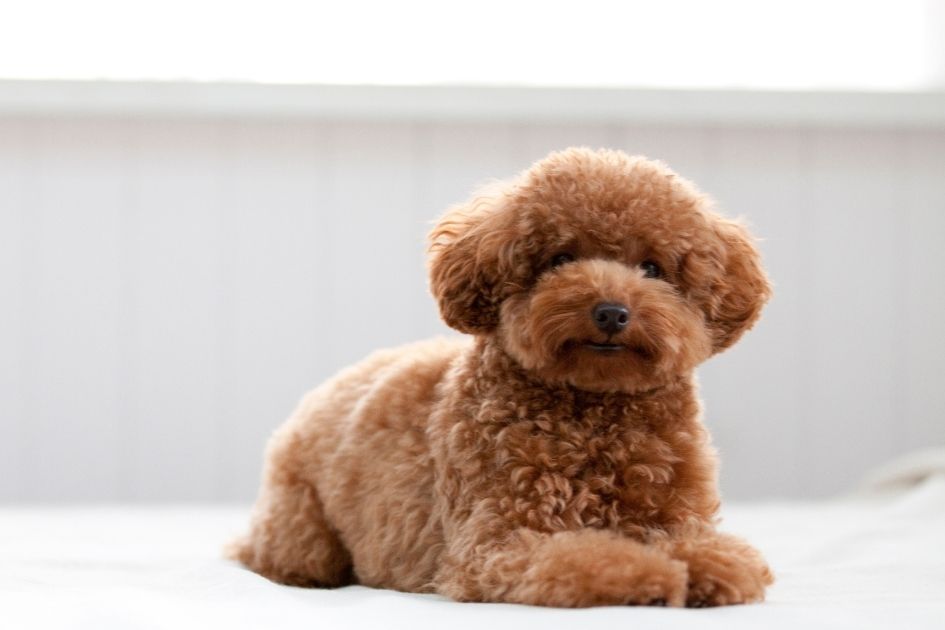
545 460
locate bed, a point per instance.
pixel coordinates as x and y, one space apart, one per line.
873 560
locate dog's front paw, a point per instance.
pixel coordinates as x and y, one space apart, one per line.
724 570
662 585
596 568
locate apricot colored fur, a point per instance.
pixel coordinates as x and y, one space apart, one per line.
520 465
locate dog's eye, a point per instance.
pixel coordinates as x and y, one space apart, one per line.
651 269
561 259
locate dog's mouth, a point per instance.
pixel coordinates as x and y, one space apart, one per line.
608 348
605 348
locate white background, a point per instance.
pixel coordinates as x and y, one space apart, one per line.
801 44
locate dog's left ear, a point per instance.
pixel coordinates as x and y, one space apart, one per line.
725 275
473 257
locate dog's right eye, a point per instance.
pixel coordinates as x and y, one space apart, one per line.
651 269
561 259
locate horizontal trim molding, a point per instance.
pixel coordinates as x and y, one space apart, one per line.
450 103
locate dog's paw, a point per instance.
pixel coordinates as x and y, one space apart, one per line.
595 568
662 586
726 572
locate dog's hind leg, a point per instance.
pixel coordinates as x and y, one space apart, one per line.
290 541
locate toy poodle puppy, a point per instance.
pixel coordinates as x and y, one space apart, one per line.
557 456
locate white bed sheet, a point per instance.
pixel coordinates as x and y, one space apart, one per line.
868 562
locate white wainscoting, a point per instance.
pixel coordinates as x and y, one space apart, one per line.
170 287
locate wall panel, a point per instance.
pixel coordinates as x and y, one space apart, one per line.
170 288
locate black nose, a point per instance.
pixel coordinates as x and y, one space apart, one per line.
611 318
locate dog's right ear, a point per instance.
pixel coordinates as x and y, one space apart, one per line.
472 255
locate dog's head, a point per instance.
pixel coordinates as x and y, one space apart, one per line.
597 269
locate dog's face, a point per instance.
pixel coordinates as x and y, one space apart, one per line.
600 270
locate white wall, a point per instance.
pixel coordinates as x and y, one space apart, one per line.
171 287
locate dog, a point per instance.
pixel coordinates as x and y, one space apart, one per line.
556 455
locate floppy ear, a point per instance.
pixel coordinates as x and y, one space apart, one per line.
472 257
725 273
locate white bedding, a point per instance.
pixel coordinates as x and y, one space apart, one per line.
867 562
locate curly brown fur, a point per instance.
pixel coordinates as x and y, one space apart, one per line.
546 460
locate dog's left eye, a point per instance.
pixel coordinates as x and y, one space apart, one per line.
561 259
651 269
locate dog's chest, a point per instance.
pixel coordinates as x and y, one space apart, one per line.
587 466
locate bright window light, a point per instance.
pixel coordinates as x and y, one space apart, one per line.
797 44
